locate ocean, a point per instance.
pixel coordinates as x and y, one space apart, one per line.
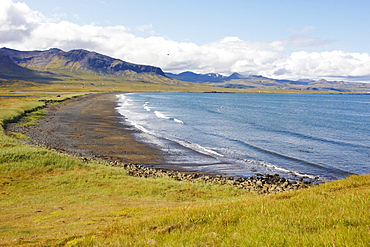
319 136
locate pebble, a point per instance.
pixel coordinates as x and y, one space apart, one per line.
261 184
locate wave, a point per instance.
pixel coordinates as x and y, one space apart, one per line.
178 121
161 115
217 155
296 160
309 137
279 169
146 107
205 150
219 134
123 101
302 136
324 168
210 152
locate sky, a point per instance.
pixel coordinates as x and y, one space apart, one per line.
282 39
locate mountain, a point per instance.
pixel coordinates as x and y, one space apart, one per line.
10 70
236 80
76 60
79 67
199 78
211 77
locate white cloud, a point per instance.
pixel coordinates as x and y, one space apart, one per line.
25 29
144 28
230 39
300 38
302 31
17 21
328 64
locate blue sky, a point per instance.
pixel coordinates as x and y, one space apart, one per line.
342 24
285 39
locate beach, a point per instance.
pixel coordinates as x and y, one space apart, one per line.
88 126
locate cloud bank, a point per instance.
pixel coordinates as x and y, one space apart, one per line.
26 29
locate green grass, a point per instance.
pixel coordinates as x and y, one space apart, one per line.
74 80
52 199
18 135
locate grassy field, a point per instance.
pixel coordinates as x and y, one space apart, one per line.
84 82
51 199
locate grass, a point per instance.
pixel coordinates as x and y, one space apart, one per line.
80 81
51 199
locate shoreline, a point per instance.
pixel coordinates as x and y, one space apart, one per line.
89 127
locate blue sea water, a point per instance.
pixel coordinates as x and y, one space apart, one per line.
236 134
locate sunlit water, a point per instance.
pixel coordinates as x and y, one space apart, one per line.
324 136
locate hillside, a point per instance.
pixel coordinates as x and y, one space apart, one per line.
81 70
76 60
8 68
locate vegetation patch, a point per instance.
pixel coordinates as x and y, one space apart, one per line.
30 120
18 135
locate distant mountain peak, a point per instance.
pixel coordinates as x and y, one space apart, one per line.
199 78
236 80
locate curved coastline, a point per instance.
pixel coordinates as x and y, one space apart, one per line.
89 127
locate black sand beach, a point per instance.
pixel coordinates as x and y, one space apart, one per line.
88 126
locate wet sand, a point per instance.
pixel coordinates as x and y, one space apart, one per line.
89 126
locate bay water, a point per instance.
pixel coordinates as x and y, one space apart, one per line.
320 136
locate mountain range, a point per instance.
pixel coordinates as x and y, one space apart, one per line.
214 77
240 81
44 66
78 60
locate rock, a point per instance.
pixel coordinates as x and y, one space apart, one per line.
259 183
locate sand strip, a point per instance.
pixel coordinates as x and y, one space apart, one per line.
88 126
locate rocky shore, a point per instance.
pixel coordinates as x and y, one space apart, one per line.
87 127
261 184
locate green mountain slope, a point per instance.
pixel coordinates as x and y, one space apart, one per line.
76 60
81 70
10 70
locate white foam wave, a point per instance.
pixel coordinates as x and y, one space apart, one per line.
207 150
146 107
178 120
162 115
123 101
280 169
198 148
142 128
